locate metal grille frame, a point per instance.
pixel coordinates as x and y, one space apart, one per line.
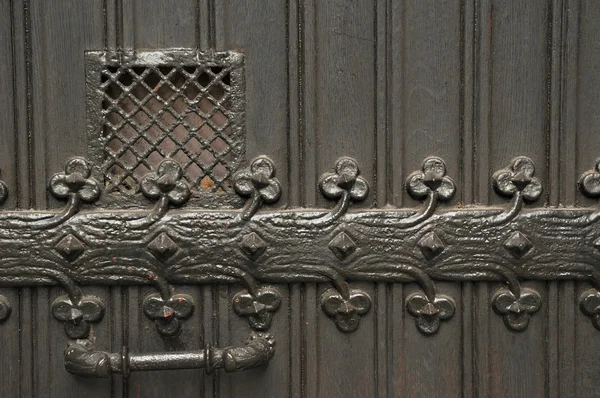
232 62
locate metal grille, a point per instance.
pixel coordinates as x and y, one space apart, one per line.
183 112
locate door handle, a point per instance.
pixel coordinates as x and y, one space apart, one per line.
81 360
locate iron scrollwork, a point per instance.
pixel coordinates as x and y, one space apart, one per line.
252 247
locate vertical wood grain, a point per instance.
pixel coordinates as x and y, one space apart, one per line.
483 40
587 92
425 359
345 86
383 81
158 24
10 347
426 94
570 167
519 86
266 60
347 354
8 104
60 33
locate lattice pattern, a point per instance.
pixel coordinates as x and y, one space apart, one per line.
180 112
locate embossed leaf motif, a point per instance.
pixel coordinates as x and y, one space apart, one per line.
345 179
167 314
77 317
590 306
431 178
589 182
258 180
519 176
260 309
166 182
517 310
428 314
346 313
75 180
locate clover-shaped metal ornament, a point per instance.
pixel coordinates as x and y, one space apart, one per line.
78 316
516 311
75 182
589 182
166 184
428 314
259 183
346 313
258 309
345 182
3 192
518 178
590 306
167 314
5 308
431 179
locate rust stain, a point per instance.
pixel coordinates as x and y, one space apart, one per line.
207 183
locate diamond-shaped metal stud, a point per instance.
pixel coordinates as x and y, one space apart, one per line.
517 244
597 244
431 245
163 247
342 245
253 246
70 247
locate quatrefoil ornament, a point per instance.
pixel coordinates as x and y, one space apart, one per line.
77 316
589 182
166 183
432 179
517 309
167 314
344 181
518 178
590 306
429 313
258 309
75 182
346 312
257 182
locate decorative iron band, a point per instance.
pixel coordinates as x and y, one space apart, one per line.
395 245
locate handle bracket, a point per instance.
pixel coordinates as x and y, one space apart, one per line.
83 361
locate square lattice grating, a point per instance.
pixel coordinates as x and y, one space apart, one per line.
186 111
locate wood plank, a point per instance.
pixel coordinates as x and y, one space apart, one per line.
60 33
426 100
9 148
587 93
345 87
347 354
587 346
425 359
519 86
261 34
275 379
158 24
11 348
518 360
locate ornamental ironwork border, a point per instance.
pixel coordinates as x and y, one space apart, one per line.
166 245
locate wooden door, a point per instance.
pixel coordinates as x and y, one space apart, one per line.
403 194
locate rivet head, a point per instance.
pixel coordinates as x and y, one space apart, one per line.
70 247
517 244
163 247
431 245
253 246
342 245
